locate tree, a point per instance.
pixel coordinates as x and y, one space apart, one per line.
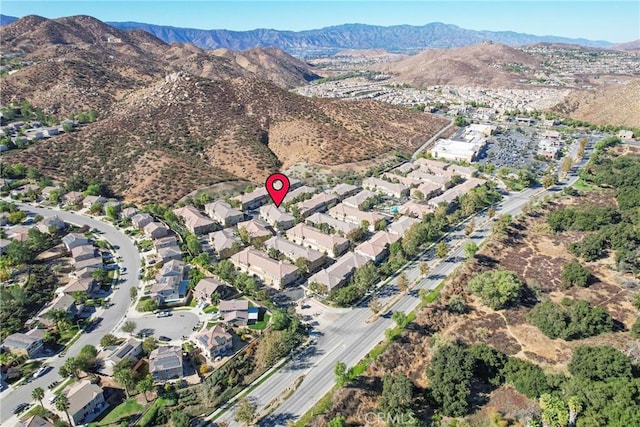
636 300
111 212
303 265
340 370
554 411
635 329
460 121
59 317
70 367
403 283
599 363
108 340
133 293
570 320
179 419
575 407
575 274
397 394
246 412
193 244
418 195
129 326
450 374
491 212
468 229
96 209
457 304
215 298
375 305
549 180
442 249
502 224
470 249
280 320
62 404
38 394
338 421
126 378
424 268
566 165
244 235
145 384
400 318
497 289
149 344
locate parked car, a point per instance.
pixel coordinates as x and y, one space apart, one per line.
20 407
41 371
164 338
163 314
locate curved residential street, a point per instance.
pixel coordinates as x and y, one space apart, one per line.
112 317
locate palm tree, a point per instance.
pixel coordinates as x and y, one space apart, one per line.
126 379
62 404
38 394
58 317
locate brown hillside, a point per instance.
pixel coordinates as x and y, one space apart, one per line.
162 142
80 62
483 64
616 104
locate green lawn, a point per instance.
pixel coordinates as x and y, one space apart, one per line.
210 308
125 409
580 185
262 324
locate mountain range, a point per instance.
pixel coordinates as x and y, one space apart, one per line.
329 40
176 118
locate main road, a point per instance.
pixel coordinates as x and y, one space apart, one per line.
112 317
352 337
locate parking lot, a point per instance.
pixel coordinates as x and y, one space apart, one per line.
179 324
514 150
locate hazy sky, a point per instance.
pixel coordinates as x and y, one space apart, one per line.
615 21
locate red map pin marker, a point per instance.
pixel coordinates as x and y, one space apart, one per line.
277 186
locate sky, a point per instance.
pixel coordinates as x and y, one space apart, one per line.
614 21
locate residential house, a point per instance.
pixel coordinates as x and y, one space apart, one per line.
72 198
254 199
337 274
168 253
76 284
48 190
317 203
140 220
356 216
208 286
400 226
277 218
225 243
422 176
73 240
298 193
214 342
277 274
404 168
128 212
80 253
35 421
452 194
409 182
95 262
376 248
358 200
340 227
86 401
130 349
195 221
426 191
415 209
234 312
293 252
28 344
155 230
89 201
172 283
85 272
165 242
19 234
463 171
308 236
49 224
63 302
389 188
223 213
116 204
165 363
256 230
344 190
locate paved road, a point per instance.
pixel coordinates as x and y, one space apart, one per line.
350 338
112 316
